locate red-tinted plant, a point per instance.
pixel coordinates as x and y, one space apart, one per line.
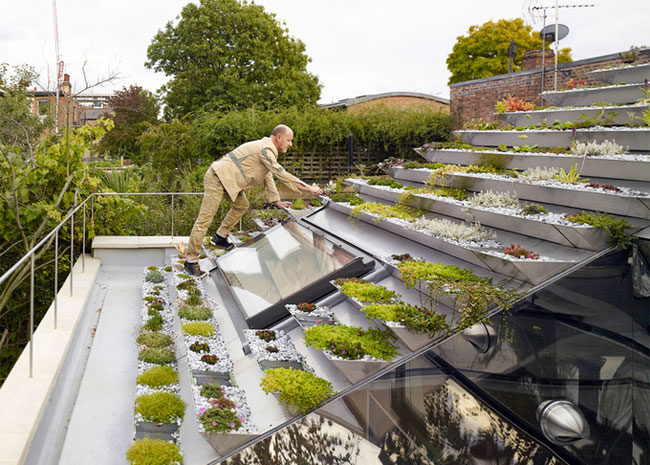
607 187
572 83
306 307
209 359
272 349
510 104
266 335
520 252
199 347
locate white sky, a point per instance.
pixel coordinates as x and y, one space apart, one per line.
357 46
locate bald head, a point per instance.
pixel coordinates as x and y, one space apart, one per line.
282 137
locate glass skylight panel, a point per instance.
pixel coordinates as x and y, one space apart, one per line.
272 267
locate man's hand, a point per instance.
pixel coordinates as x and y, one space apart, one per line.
314 189
281 204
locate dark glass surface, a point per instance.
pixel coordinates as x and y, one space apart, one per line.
273 266
585 338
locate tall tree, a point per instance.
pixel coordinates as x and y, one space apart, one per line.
223 54
483 52
134 110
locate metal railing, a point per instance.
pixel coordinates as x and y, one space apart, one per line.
55 233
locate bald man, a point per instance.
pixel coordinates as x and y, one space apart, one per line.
248 165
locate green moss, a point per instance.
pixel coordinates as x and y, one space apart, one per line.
195 312
298 388
158 376
187 285
615 227
153 452
452 192
168 268
160 407
412 271
155 340
368 292
199 328
152 268
388 211
157 355
193 299
413 165
351 342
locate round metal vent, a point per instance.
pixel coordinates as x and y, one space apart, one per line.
562 422
481 335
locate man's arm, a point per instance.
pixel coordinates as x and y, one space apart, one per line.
275 169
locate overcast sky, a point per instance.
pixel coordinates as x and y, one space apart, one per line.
357 46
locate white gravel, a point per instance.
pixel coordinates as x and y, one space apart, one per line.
238 396
286 350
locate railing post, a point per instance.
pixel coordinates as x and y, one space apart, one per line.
56 277
92 210
31 319
71 252
83 244
172 217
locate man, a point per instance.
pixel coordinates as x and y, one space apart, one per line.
248 165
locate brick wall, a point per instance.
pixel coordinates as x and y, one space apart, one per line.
400 102
475 100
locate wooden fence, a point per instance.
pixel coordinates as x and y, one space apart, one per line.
323 166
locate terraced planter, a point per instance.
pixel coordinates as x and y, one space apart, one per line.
628 93
224 443
151 430
637 207
532 271
357 370
618 115
612 168
572 236
321 315
627 74
636 139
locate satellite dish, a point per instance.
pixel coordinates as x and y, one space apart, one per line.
548 33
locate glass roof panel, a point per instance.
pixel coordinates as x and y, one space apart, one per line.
273 266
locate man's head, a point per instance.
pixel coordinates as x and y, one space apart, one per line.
282 137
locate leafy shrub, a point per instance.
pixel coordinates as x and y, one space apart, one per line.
157 355
368 292
455 231
219 420
520 252
533 209
199 328
155 339
493 199
211 391
298 388
266 335
199 347
154 277
153 452
615 227
160 407
155 323
351 342
159 376
190 312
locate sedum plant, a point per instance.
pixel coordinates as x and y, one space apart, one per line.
199 312
212 391
615 227
160 407
589 149
159 376
494 199
416 318
539 174
351 342
157 355
155 323
368 292
154 276
388 211
533 209
155 339
346 197
218 419
199 328
153 452
388 182
455 231
301 389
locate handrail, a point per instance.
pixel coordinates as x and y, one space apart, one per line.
30 255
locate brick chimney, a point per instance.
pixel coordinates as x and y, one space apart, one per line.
533 59
66 87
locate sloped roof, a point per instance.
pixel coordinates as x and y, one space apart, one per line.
364 98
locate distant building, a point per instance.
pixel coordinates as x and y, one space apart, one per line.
392 100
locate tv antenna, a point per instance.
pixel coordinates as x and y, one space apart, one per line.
554 33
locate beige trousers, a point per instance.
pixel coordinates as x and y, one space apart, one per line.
214 193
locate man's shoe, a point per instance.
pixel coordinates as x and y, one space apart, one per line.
194 269
222 242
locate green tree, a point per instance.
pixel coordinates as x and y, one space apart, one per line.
483 52
134 110
168 146
223 55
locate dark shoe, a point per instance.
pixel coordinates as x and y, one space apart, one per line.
194 269
222 242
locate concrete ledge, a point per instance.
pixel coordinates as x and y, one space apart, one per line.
23 399
137 242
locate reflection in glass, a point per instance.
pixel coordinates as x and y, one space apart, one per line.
279 263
